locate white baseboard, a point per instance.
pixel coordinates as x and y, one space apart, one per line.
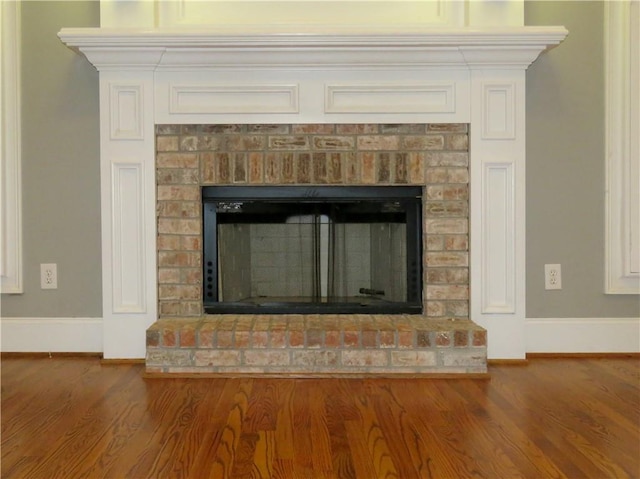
62 335
542 335
582 335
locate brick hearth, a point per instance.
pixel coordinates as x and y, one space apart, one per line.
315 345
434 156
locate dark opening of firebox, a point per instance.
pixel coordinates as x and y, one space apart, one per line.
296 249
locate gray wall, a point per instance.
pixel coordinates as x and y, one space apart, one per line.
60 166
565 167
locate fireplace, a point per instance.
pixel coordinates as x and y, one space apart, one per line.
459 73
312 249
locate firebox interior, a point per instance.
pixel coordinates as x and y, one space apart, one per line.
296 249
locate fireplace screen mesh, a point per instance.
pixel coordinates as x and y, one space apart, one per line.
296 249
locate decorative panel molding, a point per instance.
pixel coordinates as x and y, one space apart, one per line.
390 98
128 238
498 103
174 13
10 152
622 259
126 111
215 99
498 230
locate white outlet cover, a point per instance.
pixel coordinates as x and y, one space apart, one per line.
48 276
552 276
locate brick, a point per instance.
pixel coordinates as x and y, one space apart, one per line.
460 358
223 168
423 142
401 165
239 168
169 357
267 128
334 142
303 168
168 275
443 338
416 168
335 168
448 159
405 339
378 142
457 142
446 258
435 309
246 142
455 291
188 143
460 338
422 339
332 339
479 338
369 339
178 226
288 169
179 192
278 339
314 338
456 243
447 127
256 163
169 339
259 339
224 339
217 358
315 358
317 129
359 358
447 226
387 339
272 169
188 336
351 339
242 339
319 167
167 143
153 338
293 142
413 358
367 168
296 339
266 357
177 160
383 169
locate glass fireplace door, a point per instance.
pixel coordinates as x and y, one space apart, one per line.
312 254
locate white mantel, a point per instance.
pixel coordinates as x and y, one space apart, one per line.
323 74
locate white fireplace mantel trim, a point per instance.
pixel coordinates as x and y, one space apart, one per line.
196 49
443 75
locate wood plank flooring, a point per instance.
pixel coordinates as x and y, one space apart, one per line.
554 418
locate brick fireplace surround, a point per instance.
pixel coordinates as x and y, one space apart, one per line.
435 156
336 96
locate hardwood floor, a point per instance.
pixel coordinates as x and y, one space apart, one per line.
554 418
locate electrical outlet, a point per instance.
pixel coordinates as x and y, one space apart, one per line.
552 276
49 276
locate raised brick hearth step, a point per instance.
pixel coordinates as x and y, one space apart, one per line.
308 345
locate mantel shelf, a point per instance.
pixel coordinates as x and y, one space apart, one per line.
514 47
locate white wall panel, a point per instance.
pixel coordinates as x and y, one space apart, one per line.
390 98
128 259
498 262
225 98
126 117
